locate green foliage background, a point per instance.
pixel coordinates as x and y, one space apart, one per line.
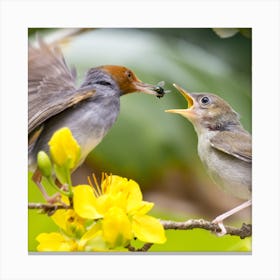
156 149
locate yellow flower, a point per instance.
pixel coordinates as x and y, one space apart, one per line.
55 242
69 222
105 216
58 242
118 204
64 149
75 234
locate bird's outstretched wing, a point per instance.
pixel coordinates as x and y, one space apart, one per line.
237 144
51 84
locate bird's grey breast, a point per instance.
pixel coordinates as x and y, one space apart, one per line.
230 173
99 115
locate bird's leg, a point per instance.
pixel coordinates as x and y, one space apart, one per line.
37 179
219 220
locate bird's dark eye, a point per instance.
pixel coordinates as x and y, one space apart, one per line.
129 74
205 100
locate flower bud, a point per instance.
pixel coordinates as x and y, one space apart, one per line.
64 149
44 164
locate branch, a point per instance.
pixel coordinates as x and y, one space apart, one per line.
47 207
244 231
145 247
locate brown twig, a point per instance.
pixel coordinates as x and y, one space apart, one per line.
47 207
145 247
244 231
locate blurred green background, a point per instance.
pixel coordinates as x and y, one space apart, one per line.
156 149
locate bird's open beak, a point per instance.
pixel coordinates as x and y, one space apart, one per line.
184 112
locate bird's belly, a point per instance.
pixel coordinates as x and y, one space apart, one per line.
231 174
88 143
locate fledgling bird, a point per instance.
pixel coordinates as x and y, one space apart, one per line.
224 146
88 110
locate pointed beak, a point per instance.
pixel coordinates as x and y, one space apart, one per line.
145 88
188 113
156 90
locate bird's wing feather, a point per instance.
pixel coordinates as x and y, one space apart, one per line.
45 113
240 144
51 84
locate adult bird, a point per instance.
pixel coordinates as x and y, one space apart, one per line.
88 110
224 146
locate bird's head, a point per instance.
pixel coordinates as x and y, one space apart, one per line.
207 111
127 81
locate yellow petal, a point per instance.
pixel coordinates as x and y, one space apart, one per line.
129 191
116 227
96 244
65 199
91 233
112 184
84 202
116 184
64 148
143 208
105 202
148 229
93 240
61 216
55 242
72 224
134 195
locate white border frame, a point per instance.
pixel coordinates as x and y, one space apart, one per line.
17 16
